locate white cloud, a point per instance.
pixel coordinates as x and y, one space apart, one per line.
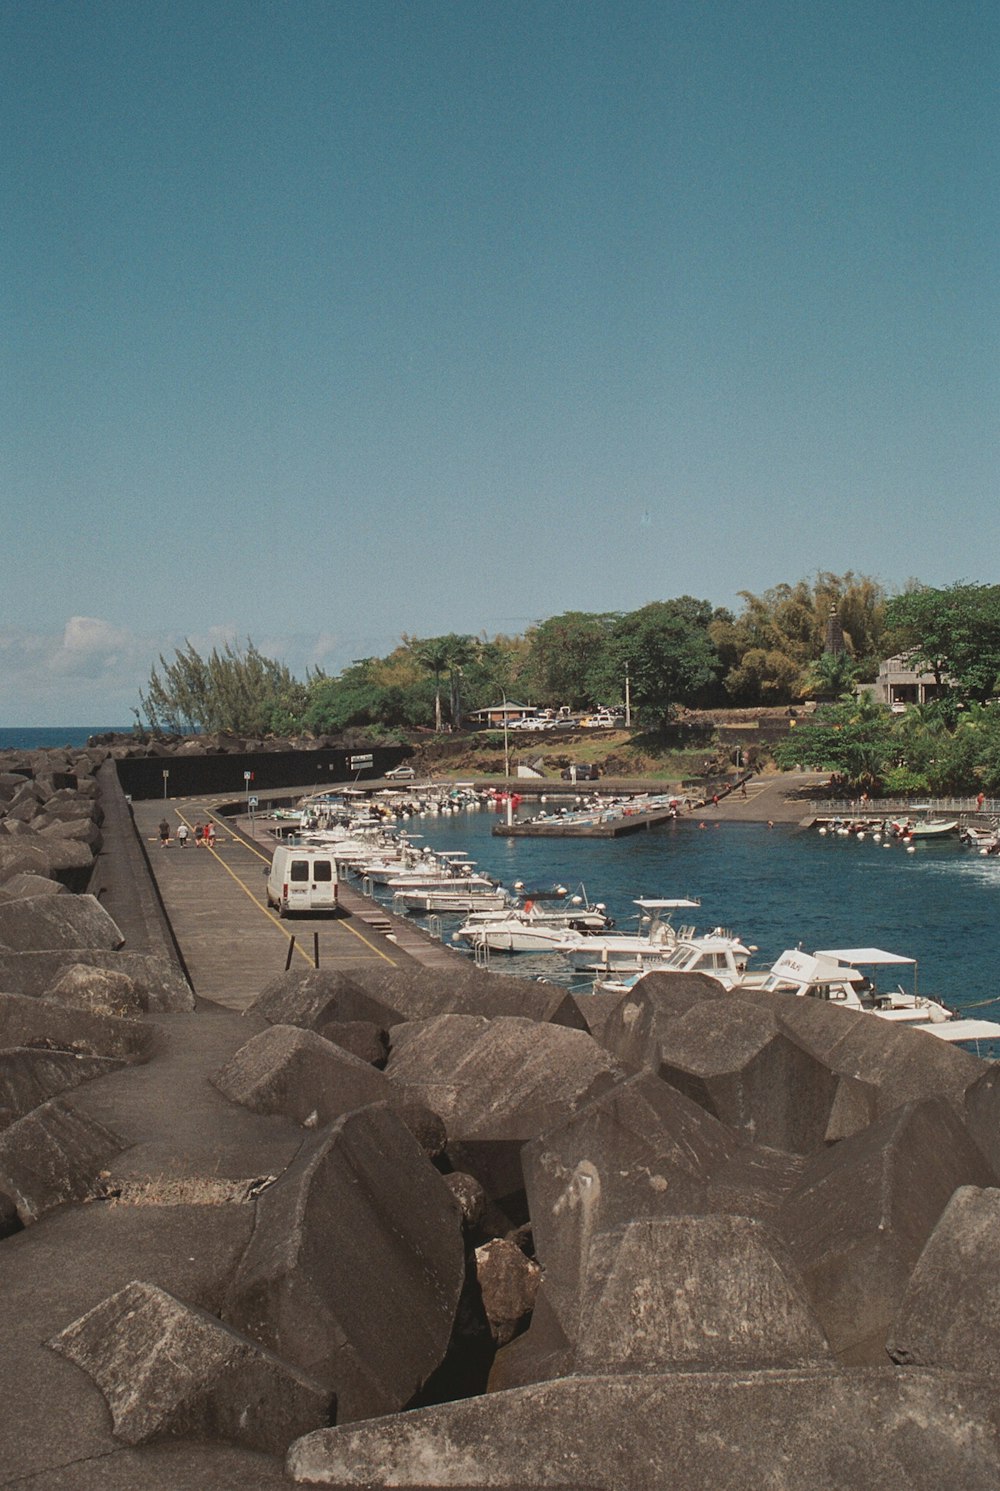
92 672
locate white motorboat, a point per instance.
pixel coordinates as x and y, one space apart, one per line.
530 928
465 893
839 976
625 950
720 954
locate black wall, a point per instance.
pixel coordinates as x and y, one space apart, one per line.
142 777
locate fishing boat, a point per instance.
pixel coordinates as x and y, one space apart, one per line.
927 828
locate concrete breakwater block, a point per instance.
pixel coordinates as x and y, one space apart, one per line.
51 1156
41 1024
982 1116
299 1073
30 1077
105 991
160 985
503 1078
858 1221
168 1369
948 1316
315 997
689 1431
634 1027
43 923
20 887
62 859
356 1265
497 1083
640 1150
738 1063
895 1064
421 993
711 1292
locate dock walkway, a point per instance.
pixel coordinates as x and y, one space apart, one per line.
231 942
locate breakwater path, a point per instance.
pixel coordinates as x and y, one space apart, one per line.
231 942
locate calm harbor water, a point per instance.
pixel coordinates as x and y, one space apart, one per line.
776 888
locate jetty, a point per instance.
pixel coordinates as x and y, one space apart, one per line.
304 1203
613 822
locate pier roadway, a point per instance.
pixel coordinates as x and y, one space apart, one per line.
232 943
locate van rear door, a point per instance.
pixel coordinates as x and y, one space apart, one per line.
323 887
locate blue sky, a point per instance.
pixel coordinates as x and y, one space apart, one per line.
325 322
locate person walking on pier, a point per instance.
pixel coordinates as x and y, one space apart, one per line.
182 835
164 833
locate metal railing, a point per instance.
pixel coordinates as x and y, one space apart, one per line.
891 807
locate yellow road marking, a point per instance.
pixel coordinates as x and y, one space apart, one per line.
277 920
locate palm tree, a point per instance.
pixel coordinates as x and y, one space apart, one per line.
440 655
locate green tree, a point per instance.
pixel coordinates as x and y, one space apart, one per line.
853 739
670 655
831 675
444 656
953 633
237 689
568 657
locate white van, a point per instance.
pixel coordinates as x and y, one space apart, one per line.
302 880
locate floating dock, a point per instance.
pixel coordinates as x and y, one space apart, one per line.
613 823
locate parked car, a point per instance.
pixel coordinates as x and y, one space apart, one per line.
584 773
400 774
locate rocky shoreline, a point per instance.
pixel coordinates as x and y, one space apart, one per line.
413 1228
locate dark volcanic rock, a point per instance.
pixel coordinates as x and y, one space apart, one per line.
356 1265
690 1431
508 1283
861 1215
168 1369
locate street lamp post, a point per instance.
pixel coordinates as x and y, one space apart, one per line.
628 701
506 746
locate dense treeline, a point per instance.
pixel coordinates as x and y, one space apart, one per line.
674 652
822 638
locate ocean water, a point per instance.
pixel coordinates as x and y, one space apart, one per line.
776 888
44 737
